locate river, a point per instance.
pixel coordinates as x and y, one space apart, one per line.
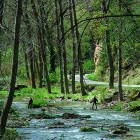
101 120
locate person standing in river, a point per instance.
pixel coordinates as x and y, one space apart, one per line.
94 102
30 104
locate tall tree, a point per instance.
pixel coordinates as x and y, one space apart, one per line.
63 45
26 63
48 33
31 52
42 44
8 104
59 46
105 8
120 56
73 48
79 50
1 19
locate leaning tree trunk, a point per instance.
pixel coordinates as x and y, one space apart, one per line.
79 51
63 46
59 48
74 48
8 104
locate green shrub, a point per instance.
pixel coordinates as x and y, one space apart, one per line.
53 77
88 65
39 102
94 76
118 106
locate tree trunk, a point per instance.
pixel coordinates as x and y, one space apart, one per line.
120 57
31 53
40 69
42 44
105 8
48 34
79 51
64 47
8 104
74 48
26 64
59 48
1 18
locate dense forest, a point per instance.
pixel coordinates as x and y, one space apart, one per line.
45 43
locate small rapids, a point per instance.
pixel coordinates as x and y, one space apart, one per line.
101 120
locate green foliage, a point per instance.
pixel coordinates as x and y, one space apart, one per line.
39 102
134 104
11 134
94 77
88 65
101 91
25 91
53 77
118 106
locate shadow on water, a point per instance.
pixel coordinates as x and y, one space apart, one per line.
101 121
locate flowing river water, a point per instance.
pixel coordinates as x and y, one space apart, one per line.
101 120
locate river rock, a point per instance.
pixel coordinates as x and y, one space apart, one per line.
70 116
120 130
87 129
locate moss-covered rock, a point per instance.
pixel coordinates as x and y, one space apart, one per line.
70 116
87 129
120 130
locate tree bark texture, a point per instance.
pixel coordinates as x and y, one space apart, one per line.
42 45
31 52
105 8
1 18
64 47
59 47
79 51
120 57
73 47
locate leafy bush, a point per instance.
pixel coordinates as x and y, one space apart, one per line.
39 102
88 65
53 77
118 106
94 76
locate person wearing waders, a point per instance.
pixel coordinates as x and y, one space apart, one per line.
30 104
94 102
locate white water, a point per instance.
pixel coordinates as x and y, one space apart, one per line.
101 120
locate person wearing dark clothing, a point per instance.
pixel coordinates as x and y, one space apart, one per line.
94 102
30 104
